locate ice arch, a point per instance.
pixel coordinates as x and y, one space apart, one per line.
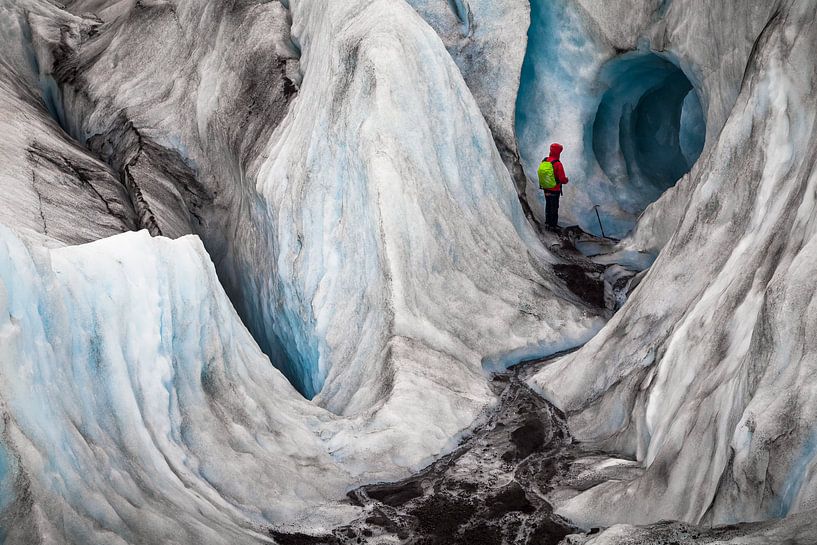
649 128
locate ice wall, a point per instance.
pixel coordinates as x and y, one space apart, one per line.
796 529
702 375
487 40
51 186
137 408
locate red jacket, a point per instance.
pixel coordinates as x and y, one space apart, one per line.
558 169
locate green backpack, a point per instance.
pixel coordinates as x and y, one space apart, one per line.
547 180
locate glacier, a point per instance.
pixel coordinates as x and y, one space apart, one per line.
255 256
319 247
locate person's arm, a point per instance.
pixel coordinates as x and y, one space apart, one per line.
559 173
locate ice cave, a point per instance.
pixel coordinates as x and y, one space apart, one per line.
285 272
634 117
649 128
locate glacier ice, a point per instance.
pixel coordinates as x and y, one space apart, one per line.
702 375
343 183
338 240
136 406
794 530
637 130
487 40
51 186
469 203
315 247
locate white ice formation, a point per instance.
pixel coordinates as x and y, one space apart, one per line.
348 185
348 191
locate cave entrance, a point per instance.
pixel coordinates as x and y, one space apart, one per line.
649 128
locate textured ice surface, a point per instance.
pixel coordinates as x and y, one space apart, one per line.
487 40
407 229
50 185
137 407
702 374
350 194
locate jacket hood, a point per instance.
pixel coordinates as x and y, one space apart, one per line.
556 150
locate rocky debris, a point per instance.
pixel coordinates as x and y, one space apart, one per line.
585 282
597 269
496 488
490 490
617 286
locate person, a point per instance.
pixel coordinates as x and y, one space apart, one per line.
553 195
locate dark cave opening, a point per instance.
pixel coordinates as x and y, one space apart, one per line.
649 128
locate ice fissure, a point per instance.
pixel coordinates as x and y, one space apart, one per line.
169 194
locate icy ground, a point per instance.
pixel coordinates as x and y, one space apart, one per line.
490 488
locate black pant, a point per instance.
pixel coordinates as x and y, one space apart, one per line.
552 208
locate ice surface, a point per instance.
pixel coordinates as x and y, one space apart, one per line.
461 206
317 185
487 40
693 128
50 185
794 530
346 167
136 405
